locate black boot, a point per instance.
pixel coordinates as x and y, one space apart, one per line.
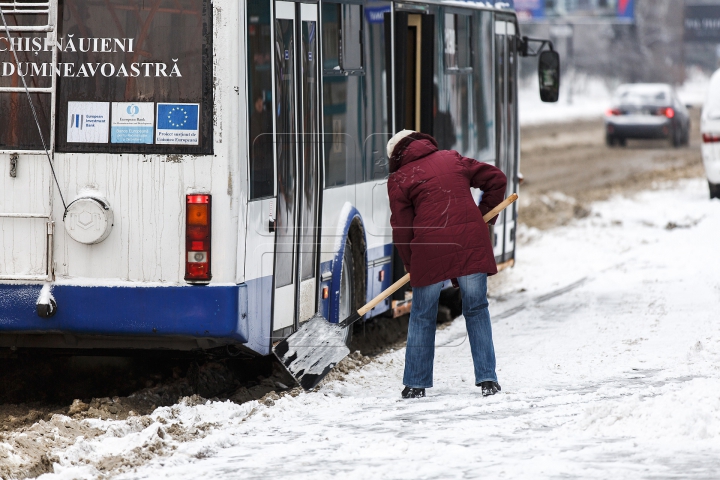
409 392
489 388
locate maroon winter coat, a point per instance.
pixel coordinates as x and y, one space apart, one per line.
437 227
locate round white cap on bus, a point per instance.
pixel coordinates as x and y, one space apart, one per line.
88 220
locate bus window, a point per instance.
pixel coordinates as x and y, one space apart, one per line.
483 87
260 98
457 41
352 21
331 35
375 145
342 93
463 96
17 126
342 37
18 130
121 59
453 123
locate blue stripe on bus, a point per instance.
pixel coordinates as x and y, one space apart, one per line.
379 252
194 311
374 285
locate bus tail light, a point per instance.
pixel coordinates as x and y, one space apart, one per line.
197 238
613 112
710 138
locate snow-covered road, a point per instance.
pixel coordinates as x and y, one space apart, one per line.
607 335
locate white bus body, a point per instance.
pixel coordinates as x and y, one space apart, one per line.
197 145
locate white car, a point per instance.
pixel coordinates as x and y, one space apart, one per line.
710 129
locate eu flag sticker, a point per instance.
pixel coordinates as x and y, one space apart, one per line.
178 124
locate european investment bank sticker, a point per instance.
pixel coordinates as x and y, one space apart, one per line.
132 122
178 123
88 122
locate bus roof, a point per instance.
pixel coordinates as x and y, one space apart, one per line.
474 5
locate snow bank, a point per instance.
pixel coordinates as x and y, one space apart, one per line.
685 413
694 90
188 430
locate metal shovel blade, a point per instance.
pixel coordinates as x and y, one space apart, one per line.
312 351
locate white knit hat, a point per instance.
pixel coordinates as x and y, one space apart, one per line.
395 139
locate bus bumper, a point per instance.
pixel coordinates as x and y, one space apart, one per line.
175 317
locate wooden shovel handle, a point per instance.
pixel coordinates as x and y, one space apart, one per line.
501 206
386 293
406 278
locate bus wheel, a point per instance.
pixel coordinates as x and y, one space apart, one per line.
346 301
610 140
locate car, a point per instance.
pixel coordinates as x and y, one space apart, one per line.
647 110
710 130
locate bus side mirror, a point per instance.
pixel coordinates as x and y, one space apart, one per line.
549 75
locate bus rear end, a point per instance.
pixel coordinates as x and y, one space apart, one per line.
120 198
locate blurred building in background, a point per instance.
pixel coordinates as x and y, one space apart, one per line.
626 40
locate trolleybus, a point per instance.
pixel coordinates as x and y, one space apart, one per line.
199 174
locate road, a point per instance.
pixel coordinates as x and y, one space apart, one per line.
567 166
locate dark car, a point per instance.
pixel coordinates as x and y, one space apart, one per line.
647 110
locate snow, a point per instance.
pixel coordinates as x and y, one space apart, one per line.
695 88
342 226
608 347
45 295
581 98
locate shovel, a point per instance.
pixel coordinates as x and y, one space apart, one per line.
317 346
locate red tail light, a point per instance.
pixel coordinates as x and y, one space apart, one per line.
668 112
710 138
613 112
197 238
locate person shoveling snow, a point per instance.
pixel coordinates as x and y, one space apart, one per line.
439 233
317 346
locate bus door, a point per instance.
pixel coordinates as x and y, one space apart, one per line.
296 112
414 54
506 131
412 81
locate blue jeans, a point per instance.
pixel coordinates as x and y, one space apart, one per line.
420 351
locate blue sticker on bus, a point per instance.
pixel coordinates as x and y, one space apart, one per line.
178 123
132 122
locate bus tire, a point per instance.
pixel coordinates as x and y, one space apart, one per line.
610 140
346 298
